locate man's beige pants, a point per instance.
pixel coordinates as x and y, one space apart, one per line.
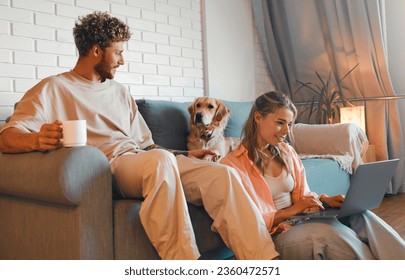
165 181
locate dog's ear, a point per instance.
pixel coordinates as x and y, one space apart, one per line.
191 109
222 114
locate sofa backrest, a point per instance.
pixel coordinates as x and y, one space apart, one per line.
169 121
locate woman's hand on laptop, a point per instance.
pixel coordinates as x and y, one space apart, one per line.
332 201
307 203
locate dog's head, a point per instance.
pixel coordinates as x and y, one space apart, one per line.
209 112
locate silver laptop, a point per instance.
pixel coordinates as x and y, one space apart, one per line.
367 189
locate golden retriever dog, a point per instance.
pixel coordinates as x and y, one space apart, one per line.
208 119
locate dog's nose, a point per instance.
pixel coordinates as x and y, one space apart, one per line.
198 118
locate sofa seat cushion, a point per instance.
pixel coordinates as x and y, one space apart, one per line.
209 243
131 241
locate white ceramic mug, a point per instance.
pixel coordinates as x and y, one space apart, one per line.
74 133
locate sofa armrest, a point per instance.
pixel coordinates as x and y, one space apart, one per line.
60 176
331 139
56 205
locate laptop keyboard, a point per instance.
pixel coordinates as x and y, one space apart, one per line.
329 212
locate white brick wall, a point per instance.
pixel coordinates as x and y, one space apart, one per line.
163 58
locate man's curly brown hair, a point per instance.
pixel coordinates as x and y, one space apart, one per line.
99 28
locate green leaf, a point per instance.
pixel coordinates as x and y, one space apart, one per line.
325 104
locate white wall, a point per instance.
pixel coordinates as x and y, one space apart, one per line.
229 49
164 57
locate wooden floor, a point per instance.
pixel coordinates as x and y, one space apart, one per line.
392 211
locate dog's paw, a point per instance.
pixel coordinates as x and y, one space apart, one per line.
214 158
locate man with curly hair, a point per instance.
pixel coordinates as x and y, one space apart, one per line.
115 126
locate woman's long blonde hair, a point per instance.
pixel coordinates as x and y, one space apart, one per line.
267 103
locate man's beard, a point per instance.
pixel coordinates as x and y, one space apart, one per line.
104 70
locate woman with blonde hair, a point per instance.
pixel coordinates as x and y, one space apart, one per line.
274 177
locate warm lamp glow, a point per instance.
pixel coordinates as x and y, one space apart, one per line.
353 115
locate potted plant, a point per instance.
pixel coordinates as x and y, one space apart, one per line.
327 99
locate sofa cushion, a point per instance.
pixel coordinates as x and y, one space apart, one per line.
239 114
161 115
326 176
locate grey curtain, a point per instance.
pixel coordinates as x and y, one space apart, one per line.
304 36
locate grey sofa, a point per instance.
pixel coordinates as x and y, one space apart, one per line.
63 204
